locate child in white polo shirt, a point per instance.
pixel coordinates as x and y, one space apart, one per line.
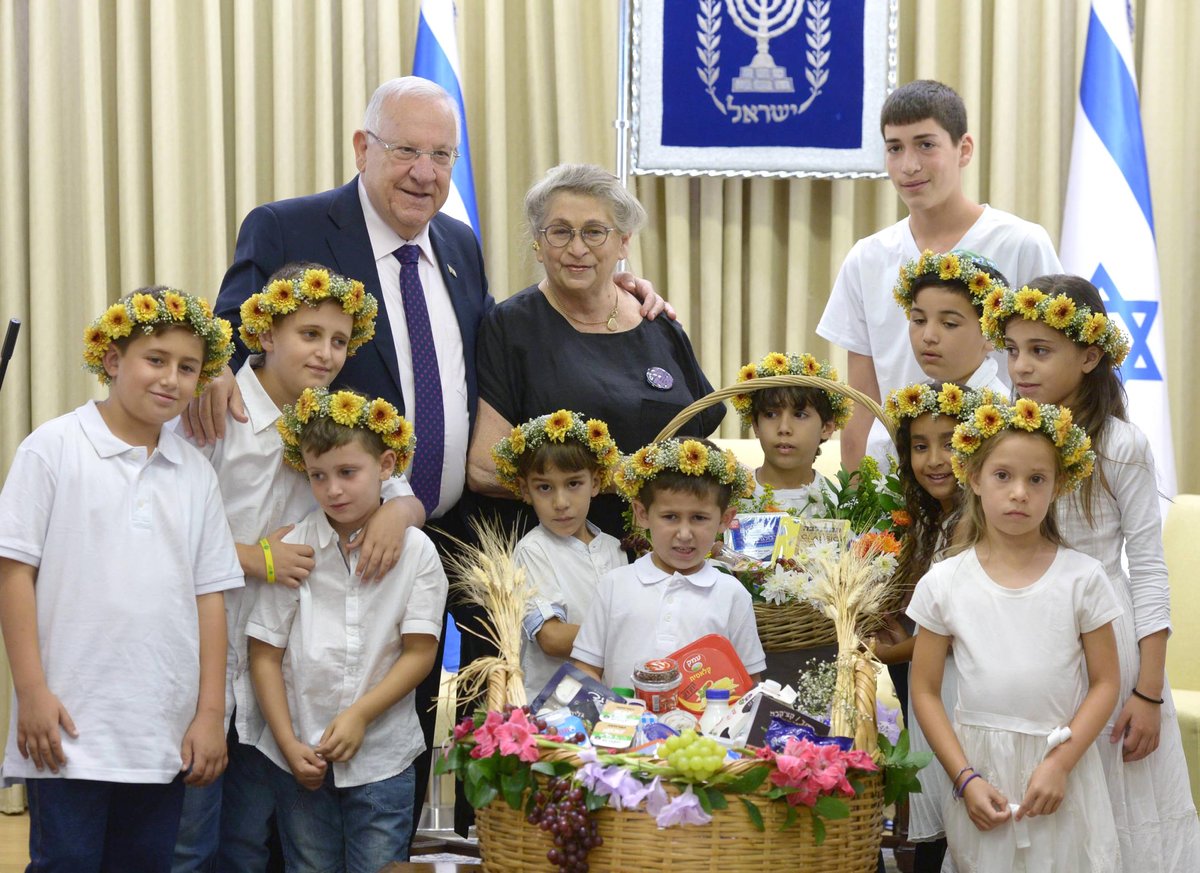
343 724
681 491
557 463
114 556
300 329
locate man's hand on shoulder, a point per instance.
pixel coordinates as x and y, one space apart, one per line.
644 291
204 418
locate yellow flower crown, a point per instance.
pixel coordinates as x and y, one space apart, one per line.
920 398
690 457
349 409
958 265
779 364
1079 323
151 309
557 427
284 296
980 421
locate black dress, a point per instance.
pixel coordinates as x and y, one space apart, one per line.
531 361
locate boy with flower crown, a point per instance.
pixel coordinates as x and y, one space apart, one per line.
557 463
114 558
681 492
300 328
790 424
343 724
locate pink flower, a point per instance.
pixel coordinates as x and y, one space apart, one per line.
485 736
518 737
464 729
860 760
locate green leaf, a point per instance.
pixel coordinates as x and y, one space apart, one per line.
818 830
702 796
902 745
545 768
754 812
716 799
832 808
479 794
594 801
513 785
790 821
748 781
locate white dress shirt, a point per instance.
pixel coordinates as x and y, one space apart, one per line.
447 341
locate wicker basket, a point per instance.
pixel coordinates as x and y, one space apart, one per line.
785 627
729 843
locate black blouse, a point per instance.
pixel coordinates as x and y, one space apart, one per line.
531 361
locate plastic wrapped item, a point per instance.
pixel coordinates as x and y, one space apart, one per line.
570 687
709 662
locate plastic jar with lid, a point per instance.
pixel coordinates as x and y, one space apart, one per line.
716 707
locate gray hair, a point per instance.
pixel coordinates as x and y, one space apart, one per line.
409 86
590 181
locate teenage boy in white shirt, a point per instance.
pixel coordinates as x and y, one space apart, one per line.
343 724
114 557
924 127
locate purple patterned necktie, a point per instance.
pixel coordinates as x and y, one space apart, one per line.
429 417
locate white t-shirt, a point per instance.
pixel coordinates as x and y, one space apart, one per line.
342 637
641 612
808 500
565 572
1018 651
124 543
863 317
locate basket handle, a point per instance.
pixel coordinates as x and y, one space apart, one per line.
788 381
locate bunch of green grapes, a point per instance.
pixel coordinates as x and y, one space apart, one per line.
694 757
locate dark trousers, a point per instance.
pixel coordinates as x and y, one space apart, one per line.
86 826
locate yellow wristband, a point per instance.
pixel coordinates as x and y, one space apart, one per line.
266 547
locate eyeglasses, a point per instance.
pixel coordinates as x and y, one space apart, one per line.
403 154
559 235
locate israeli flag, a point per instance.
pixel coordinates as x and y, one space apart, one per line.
436 59
1108 222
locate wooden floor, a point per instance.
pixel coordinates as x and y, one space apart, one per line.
14 843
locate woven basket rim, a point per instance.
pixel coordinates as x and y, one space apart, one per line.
764 382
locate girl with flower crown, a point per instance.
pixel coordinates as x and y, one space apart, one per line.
1062 348
1030 622
924 416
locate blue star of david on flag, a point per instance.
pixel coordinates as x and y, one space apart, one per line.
1139 364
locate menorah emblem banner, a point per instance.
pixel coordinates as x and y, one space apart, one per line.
761 87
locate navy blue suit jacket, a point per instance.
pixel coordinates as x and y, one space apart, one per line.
329 228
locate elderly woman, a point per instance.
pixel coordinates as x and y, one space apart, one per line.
575 340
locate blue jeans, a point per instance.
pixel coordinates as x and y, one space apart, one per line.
84 826
247 804
199 829
345 830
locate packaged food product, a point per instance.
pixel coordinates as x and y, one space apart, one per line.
656 682
709 662
716 708
570 687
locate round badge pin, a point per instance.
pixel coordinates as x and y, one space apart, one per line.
657 377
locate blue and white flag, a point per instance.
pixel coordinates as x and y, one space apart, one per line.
436 59
1108 222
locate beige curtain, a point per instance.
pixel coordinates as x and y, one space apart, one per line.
136 134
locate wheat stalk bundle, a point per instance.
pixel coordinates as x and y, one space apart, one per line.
486 576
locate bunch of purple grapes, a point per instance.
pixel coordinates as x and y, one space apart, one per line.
559 810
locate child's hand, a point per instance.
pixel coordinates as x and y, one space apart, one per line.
986 806
203 752
344 736
306 765
293 561
1139 724
39 714
383 537
1045 792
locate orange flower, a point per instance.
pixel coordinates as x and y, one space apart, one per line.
901 518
